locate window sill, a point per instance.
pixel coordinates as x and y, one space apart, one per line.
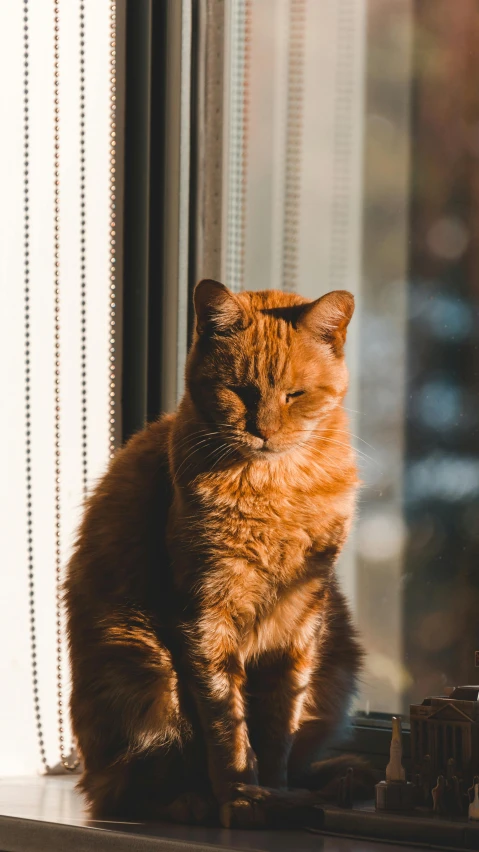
44 814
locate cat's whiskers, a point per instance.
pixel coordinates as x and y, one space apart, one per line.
323 436
224 446
191 453
354 411
188 439
223 451
199 433
228 452
329 465
192 447
347 446
192 444
229 425
347 432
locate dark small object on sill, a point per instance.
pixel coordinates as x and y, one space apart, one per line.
453 797
419 794
345 792
439 797
395 796
458 798
451 769
426 785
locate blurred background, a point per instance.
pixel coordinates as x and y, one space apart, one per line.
303 145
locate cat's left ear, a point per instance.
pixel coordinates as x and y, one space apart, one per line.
217 309
328 318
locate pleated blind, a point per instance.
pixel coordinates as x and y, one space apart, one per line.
58 339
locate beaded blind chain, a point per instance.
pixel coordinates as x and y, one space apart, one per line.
246 131
241 14
112 321
294 138
57 394
70 762
83 364
343 140
28 417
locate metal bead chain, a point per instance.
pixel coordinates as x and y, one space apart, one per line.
342 145
84 435
56 293
112 328
294 139
28 417
57 397
246 129
239 90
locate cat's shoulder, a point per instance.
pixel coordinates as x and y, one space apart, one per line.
153 441
143 458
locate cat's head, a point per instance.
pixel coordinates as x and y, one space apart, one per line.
267 368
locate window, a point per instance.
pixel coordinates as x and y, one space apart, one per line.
294 144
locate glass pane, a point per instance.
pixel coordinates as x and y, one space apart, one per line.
352 162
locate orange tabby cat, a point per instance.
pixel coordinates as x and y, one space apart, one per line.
212 652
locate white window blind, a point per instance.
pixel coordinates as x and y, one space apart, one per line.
53 56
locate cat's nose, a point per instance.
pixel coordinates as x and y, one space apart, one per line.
267 432
264 425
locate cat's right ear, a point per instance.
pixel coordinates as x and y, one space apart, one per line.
217 309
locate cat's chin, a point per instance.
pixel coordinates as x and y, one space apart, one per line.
266 451
270 454
251 453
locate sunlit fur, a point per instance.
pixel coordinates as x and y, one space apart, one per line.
210 644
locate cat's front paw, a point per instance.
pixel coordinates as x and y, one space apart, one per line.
243 812
226 781
261 807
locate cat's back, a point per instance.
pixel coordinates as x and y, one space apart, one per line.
122 536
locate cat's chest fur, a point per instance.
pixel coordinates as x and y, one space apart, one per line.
255 541
253 548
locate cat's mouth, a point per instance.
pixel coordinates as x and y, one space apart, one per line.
268 449
252 446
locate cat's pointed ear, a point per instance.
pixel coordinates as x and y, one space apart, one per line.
328 318
217 309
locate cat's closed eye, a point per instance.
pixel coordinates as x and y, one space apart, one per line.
248 394
294 394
